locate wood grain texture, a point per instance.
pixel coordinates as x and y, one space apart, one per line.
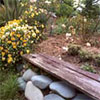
87 82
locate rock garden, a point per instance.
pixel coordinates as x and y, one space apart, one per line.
66 29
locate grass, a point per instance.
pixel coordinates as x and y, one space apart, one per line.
9 89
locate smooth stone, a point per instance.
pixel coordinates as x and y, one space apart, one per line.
53 97
28 75
82 97
41 81
63 89
32 92
21 83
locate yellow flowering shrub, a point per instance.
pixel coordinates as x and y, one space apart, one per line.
15 40
35 16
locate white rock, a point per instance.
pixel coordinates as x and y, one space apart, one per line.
88 44
28 75
32 92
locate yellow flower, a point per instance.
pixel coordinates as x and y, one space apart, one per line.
21 38
10 59
24 40
32 15
3 58
34 35
9 42
14 47
3 53
9 55
28 51
18 35
21 53
24 44
1 48
12 38
26 12
37 31
42 26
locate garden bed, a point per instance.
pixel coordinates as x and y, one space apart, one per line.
54 47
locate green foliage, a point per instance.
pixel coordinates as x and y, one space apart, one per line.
11 9
88 68
59 30
85 56
91 9
8 86
65 8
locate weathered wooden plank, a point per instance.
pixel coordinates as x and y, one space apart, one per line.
86 83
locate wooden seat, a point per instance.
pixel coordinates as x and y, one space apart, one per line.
87 82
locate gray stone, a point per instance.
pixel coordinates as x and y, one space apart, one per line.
21 83
63 89
53 97
20 67
32 92
41 81
82 97
28 75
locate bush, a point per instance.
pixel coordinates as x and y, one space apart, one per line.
16 39
35 16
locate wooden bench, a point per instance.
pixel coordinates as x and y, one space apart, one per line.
86 82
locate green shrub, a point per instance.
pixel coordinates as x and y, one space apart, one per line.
73 49
85 56
16 39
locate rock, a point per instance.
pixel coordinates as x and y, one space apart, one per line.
20 67
53 97
63 89
41 81
28 75
82 97
22 83
32 92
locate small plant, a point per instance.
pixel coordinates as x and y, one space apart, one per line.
85 56
88 67
8 87
73 49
